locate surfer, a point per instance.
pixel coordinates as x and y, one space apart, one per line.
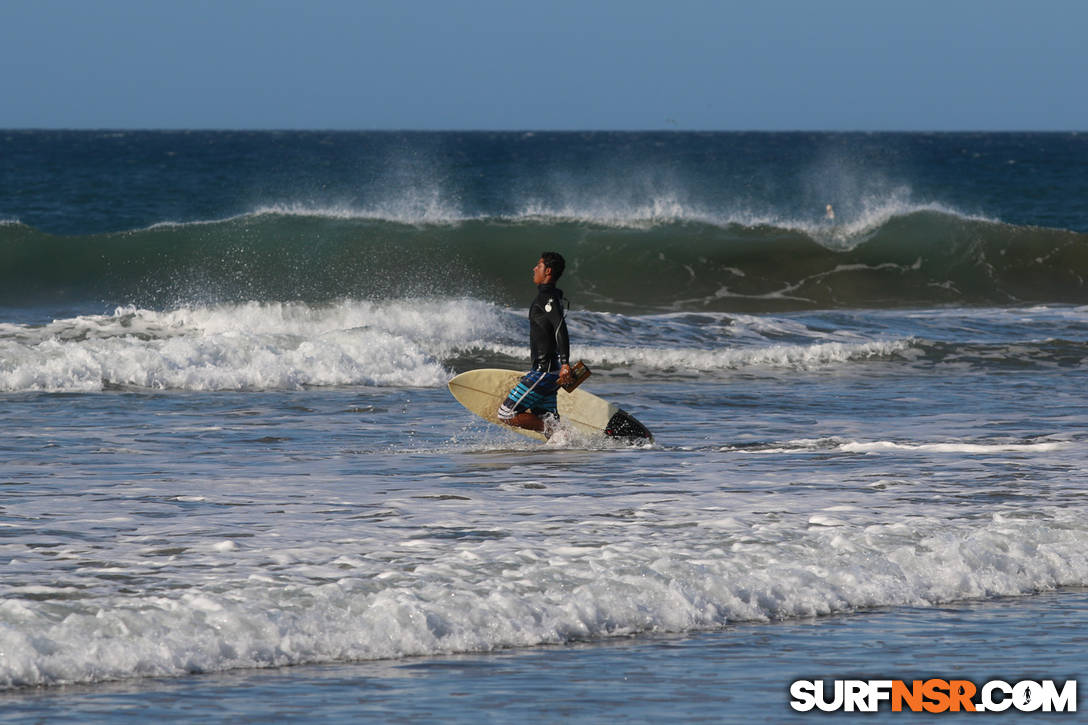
531 404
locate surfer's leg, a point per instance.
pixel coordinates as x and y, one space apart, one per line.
531 403
547 423
526 420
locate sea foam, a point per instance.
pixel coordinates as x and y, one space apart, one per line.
250 346
797 357
320 604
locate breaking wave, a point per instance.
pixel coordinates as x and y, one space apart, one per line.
644 260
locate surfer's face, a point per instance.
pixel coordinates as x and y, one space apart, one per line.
540 273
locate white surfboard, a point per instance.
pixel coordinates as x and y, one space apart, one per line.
483 391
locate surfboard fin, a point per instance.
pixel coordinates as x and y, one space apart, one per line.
578 374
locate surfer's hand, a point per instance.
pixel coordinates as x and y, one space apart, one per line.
564 375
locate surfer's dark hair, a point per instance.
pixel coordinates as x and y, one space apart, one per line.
555 262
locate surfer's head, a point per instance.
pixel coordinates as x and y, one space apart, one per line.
549 268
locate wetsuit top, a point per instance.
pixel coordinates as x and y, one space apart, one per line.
548 339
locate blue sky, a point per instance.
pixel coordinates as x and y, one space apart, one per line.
549 64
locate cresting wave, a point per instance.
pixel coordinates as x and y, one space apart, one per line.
640 261
323 605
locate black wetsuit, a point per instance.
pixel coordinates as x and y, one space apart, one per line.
550 348
548 340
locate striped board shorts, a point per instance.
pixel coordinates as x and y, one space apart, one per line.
534 393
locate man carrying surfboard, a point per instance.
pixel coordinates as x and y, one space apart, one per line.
531 404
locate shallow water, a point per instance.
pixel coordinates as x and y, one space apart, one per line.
160 533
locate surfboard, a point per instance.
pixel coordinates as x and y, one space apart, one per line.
482 391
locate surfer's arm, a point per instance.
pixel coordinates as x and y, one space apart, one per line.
562 343
562 346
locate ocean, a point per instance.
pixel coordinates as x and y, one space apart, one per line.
234 486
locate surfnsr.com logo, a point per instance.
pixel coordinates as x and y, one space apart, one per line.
933 695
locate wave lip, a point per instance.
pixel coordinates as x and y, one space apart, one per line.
665 210
418 213
418 209
670 210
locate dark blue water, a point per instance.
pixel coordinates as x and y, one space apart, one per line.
79 182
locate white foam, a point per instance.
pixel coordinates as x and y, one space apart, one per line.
800 357
260 346
437 597
876 447
245 347
972 448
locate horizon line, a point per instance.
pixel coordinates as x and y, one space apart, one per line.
333 129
